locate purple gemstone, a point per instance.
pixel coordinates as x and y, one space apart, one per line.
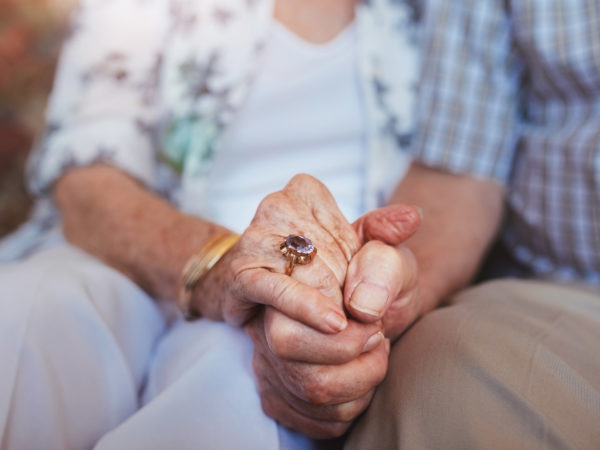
299 244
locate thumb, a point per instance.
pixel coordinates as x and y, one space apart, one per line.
392 224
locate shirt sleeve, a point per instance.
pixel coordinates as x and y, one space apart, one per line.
467 113
103 106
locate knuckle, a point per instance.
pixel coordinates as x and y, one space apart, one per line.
390 252
270 206
302 179
352 242
346 238
281 293
257 367
387 260
315 388
270 199
242 278
279 337
249 239
407 259
381 373
347 412
379 379
379 250
327 280
252 333
268 405
394 259
349 349
333 430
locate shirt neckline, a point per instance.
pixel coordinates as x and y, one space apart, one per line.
338 40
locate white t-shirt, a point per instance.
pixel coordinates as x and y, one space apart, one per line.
304 114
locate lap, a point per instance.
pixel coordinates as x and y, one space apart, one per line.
508 364
201 393
83 341
75 340
63 290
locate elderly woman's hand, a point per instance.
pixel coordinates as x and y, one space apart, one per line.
252 273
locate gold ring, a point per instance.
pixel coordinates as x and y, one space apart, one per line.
297 250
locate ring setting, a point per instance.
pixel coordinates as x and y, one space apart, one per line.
297 250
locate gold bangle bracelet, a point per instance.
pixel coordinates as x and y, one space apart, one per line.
197 267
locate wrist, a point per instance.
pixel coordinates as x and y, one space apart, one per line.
196 270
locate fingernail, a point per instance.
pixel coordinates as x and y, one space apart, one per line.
420 211
369 299
336 322
373 342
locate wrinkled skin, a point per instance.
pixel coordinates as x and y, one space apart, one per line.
299 351
252 273
319 348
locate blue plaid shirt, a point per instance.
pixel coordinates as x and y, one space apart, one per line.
511 91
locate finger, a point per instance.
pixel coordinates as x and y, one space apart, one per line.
318 274
300 302
341 412
332 384
342 233
279 401
376 277
402 314
392 224
282 402
275 407
261 250
325 210
332 252
272 401
289 339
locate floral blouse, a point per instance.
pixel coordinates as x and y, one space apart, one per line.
148 84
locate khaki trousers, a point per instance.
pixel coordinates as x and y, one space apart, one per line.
507 365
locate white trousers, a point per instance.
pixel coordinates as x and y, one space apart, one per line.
88 359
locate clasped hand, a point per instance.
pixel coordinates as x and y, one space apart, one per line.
322 335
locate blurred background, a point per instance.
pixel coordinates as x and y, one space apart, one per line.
31 32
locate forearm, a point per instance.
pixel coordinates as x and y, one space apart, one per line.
111 216
462 216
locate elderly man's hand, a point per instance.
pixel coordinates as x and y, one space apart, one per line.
382 278
315 383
